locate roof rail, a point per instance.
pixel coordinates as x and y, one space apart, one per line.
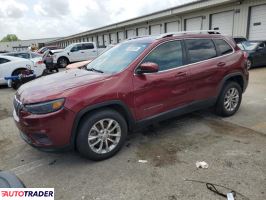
187 32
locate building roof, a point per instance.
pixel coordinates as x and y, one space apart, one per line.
188 7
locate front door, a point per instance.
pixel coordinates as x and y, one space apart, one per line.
165 90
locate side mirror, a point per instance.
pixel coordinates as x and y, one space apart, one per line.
147 67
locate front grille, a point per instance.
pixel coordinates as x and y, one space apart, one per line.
17 105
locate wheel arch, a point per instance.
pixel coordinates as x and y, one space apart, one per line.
116 105
63 57
21 68
236 77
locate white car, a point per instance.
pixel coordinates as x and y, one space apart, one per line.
38 64
76 52
11 66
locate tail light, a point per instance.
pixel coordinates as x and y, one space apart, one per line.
39 62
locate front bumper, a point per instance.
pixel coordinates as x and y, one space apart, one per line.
47 132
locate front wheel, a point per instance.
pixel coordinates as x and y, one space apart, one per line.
229 100
101 134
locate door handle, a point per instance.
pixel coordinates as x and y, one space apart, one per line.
81 52
221 64
181 74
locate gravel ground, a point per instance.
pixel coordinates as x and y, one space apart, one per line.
233 147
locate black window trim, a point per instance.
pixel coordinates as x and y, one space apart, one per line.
219 56
186 60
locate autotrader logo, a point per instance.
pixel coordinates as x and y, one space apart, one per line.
27 193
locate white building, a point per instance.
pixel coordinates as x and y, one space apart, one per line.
245 18
22 45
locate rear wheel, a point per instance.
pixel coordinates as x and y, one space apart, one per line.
62 62
229 100
101 134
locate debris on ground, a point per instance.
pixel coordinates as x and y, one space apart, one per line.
202 164
52 162
143 161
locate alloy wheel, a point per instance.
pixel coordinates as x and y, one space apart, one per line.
104 136
231 99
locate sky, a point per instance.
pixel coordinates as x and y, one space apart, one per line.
32 19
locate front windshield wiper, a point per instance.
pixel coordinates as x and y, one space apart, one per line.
95 70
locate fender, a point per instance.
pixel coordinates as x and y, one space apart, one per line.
231 75
129 117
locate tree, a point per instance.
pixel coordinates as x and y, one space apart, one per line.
9 38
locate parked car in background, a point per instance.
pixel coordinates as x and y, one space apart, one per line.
256 51
126 87
239 39
38 64
83 64
76 52
13 66
43 49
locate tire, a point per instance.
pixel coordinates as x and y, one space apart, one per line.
62 62
229 100
16 84
249 64
91 127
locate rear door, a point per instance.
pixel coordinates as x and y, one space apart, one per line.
88 51
167 89
205 67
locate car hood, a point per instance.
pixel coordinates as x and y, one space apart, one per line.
53 86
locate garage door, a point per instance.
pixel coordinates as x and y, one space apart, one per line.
142 31
223 22
100 40
131 33
106 40
113 38
172 27
257 27
156 29
121 36
193 24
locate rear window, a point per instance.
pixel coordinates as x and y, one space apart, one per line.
200 49
87 46
223 47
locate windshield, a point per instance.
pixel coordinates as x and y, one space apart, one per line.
69 47
117 58
249 46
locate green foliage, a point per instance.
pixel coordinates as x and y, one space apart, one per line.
9 38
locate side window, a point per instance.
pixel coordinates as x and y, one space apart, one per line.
223 46
87 46
3 60
77 47
200 49
168 55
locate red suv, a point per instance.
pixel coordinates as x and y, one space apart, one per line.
138 82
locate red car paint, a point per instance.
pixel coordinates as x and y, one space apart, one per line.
144 96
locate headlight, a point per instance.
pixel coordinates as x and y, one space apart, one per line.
45 107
